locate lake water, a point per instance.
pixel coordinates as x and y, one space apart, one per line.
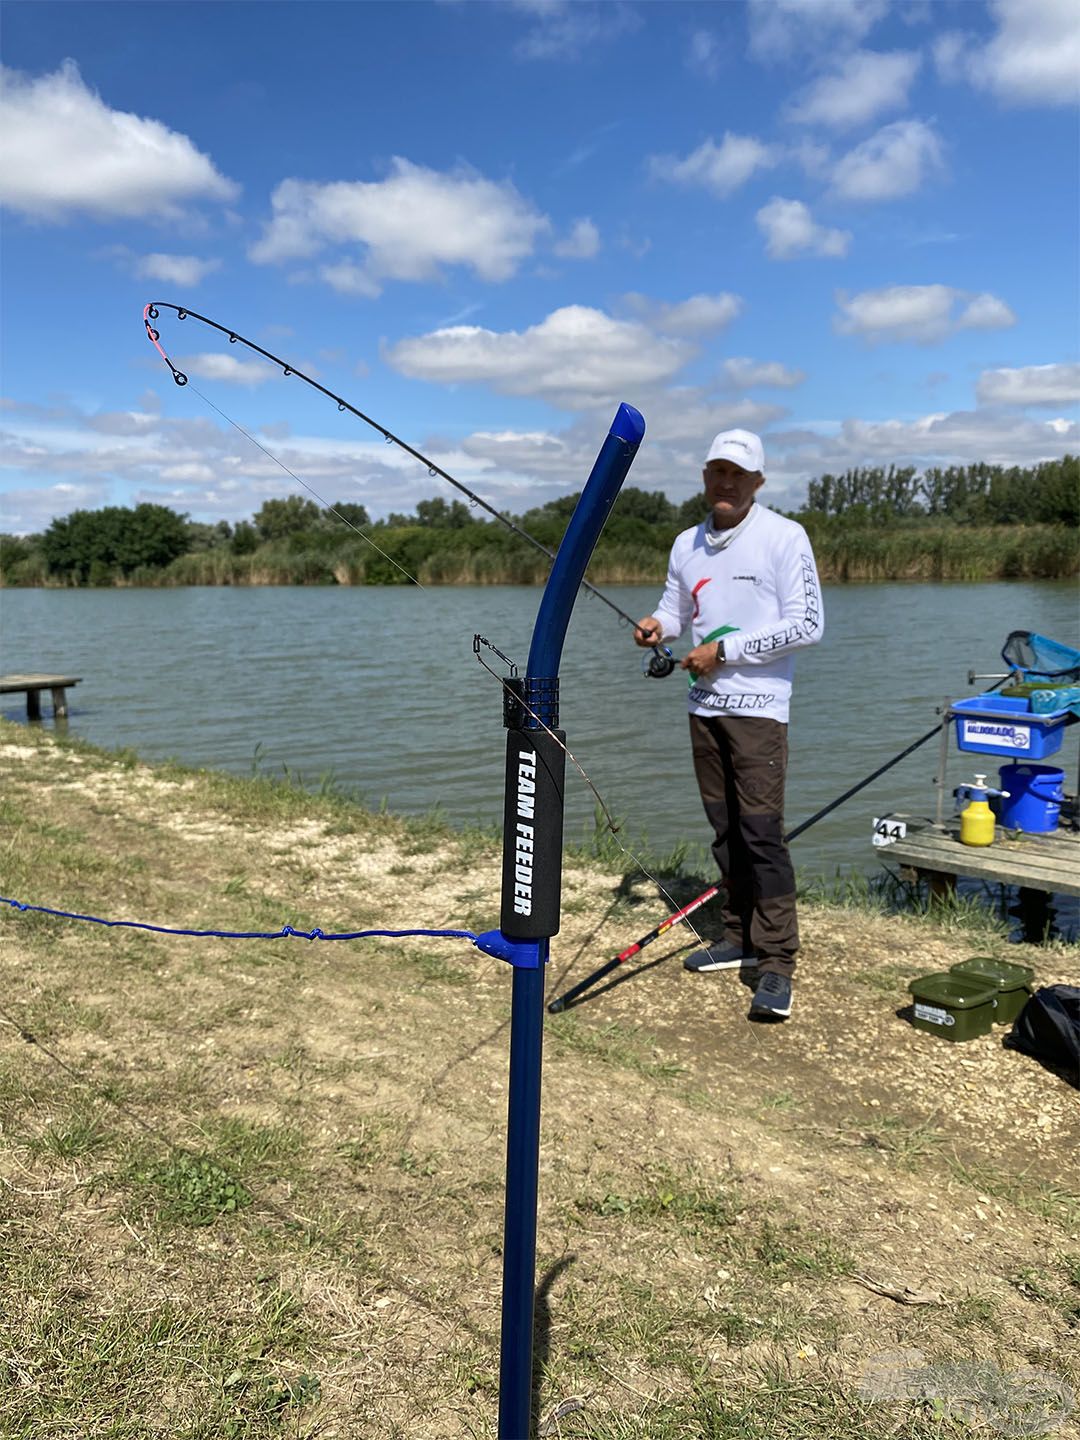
381 688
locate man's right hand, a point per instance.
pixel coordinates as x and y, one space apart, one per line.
649 632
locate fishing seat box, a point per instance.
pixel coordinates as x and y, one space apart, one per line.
1012 982
1005 725
953 1007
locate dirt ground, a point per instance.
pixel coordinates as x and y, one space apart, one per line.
255 1188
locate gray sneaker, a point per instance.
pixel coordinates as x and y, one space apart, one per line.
772 998
718 957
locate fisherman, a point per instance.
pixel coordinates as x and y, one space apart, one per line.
746 583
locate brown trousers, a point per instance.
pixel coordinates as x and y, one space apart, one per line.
741 763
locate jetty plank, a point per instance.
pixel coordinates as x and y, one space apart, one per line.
32 686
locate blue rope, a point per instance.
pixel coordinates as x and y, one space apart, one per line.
285 932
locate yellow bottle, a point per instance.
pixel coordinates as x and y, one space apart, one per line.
977 819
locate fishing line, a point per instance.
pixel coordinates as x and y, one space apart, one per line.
325 503
151 312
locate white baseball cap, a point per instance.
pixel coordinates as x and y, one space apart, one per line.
741 447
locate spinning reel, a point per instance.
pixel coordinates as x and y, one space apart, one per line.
658 664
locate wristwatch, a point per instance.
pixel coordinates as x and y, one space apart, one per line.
721 658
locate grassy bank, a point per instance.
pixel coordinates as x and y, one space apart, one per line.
254 1189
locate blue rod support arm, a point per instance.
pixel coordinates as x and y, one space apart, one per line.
601 490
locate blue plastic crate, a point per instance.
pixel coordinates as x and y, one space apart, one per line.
1005 725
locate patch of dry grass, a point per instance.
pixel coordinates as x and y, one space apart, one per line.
255 1189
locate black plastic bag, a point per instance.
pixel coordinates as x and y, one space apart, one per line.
1048 1029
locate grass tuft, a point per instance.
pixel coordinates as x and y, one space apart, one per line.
191 1189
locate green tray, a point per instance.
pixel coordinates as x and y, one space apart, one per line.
1012 982
955 1007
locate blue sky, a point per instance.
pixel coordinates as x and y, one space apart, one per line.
850 225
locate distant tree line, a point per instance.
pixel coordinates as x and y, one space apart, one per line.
869 523
1045 494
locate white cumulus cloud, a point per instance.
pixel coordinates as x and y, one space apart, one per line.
66 152
782 29
921 313
569 29
1032 59
225 367
700 315
720 168
860 87
790 230
892 162
410 225
575 357
175 269
704 52
745 374
1031 385
582 243
349 279
985 312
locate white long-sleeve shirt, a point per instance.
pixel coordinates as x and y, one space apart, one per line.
757 589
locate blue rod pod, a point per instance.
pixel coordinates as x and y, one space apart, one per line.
535 755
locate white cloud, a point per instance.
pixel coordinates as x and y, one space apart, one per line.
225 367
191 472
1033 59
210 470
411 224
921 313
790 229
861 86
962 437
813 158
892 162
575 357
950 55
349 279
704 53
61 458
745 374
681 423
566 29
29 511
175 269
582 243
66 152
782 29
683 420
698 316
985 312
720 168
1031 385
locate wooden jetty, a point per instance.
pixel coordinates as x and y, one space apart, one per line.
1038 865
33 685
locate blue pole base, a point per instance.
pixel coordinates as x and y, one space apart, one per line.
519 1223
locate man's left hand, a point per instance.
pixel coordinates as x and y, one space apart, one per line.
702 658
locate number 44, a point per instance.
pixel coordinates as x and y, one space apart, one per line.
887 830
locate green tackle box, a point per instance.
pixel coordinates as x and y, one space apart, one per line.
955 1007
1012 982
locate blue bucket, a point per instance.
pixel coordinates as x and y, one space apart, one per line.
1035 796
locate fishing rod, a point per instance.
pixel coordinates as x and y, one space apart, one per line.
561 1001
660 664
